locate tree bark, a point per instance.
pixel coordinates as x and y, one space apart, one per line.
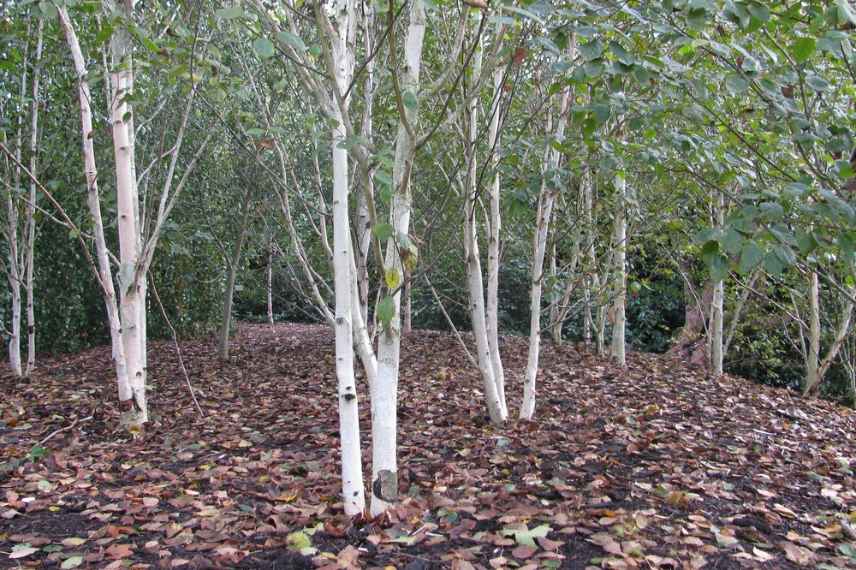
717 316
131 293
353 490
31 205
105 274
812 378
231 277
620 276
385 389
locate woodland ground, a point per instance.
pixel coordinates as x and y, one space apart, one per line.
654 467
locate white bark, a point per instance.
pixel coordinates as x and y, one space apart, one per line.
31 206
546 200
493 236
812 378
131 293
353 490
590 269
496 406
269 283
363 229
717 310
384 397
94 203
620 277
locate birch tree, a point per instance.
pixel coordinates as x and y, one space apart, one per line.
546 200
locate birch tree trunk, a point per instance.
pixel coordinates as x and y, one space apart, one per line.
590 269
812 379
717 316
546 200
555 307
131 292
353 491
231 277
105 274
384 397
363 229
31 205
270 282
495 403
620 277
494 226
15 265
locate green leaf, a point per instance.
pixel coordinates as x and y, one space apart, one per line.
264 48
386 310
750 257
292 40
71 562
732 241
803 48
229 13
525 536
392 278
382 231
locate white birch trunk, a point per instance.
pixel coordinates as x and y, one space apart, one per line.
270 283
384 397
620 277
14 284
363 229
131 292
717 309
497 409
546 200
94 203
31 206
493 236
353 491
590 269
812 378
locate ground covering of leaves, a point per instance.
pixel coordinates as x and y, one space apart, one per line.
657 466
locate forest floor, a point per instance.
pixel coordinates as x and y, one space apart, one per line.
657 466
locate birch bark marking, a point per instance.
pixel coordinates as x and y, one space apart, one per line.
31 205
94 204
384 399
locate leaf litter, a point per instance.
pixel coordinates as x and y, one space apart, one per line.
655 466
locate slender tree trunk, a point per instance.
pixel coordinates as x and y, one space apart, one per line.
131 292
812 378
496 406
620 289
555 307
94 203
31 206
270 282
363 229
717 310
494 226
385 389
590 286
15 265
353 489
546 200
231 278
